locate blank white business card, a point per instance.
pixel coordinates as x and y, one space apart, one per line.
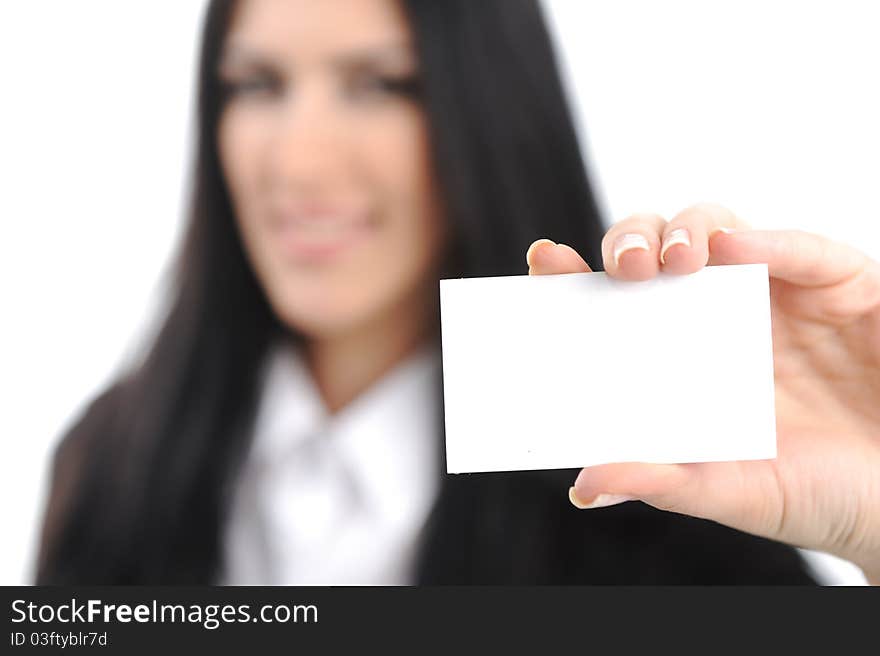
579 369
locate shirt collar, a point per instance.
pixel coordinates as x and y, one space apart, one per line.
386 436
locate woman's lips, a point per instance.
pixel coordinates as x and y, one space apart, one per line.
317 238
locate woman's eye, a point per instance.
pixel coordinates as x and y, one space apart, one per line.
377 86
248 86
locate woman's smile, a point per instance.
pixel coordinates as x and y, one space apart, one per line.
322 235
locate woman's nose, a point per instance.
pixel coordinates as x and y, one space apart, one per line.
308 146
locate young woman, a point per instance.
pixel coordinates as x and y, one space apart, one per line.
285 425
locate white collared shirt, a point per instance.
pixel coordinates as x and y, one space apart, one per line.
335 499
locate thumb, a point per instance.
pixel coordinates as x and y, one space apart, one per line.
741 495
607 485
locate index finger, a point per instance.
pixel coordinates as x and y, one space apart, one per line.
547 257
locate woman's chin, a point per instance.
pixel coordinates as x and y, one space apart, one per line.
322 325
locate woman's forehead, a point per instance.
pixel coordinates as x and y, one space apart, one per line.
327 30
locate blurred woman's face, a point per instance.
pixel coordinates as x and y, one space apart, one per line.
325 155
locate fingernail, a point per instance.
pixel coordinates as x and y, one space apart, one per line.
599 501
677 236
726 231
535 244
628 242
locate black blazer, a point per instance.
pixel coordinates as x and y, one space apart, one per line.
490 528
521 528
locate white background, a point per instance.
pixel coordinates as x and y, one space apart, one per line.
768 108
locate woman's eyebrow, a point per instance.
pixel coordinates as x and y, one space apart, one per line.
356 58
239 54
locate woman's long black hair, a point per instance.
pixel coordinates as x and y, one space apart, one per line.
140 482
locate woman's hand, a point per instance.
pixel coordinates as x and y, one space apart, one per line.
823 489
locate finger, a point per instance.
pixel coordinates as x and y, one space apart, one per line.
685 240
545 257
631 248
798 257
712 490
